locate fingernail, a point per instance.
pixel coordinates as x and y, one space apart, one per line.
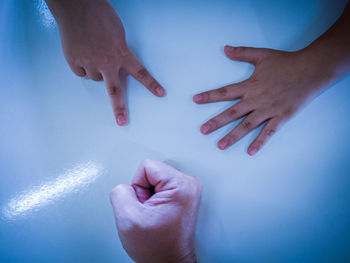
159 91
205 129
252 151
197 98
121 120
222 145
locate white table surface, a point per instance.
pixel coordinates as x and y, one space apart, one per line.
61 151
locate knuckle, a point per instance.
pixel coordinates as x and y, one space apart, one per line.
120 109
116 191
120 113
153 85
231 138
178 193
247 125
234 138
206 96
240 50
212 124
115 91
79 73
270 132
147 162
259 144
142 73
222 91
232 112
181 187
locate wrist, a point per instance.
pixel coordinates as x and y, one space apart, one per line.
318 66
330 53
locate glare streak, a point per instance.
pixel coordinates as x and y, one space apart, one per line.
47 18
39 196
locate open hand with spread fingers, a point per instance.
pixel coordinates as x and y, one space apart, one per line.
280 85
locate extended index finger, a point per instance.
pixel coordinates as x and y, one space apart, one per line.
134 67
226 93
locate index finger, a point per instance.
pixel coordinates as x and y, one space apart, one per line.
226 93
134 67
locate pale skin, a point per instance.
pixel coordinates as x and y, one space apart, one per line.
156 215
93 42
281 84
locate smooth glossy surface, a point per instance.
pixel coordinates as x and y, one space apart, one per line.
35 198
289 203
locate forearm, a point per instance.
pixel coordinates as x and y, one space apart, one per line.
330 53
66 9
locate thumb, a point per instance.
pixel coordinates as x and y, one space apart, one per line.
244 54
124 201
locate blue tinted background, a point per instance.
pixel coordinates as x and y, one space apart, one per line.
61 151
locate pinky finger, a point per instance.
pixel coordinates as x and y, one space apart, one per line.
269 129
